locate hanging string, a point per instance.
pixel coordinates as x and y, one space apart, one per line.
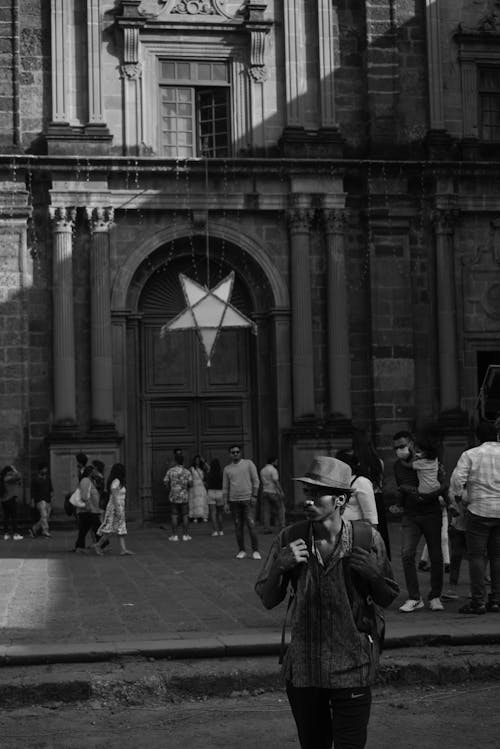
207 234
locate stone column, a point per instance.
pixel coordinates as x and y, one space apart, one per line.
64 327
328 33
300 217
446 311
295 62
434 67
101 360
94 62
339 366
60 57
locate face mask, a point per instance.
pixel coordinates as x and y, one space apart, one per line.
403 452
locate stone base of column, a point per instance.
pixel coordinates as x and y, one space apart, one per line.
62 138
103 431
439 144
297 142
340 424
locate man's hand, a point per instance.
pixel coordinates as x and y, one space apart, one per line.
295 553
362 562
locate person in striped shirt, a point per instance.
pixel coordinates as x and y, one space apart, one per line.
479 468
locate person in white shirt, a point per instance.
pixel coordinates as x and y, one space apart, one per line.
362 505
479 468
272 495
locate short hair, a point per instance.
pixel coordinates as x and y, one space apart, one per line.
403 435
178 457
99 465
272 459
487 432
42 466
231 447
178 450
82 459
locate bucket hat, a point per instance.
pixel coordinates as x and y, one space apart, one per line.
328 472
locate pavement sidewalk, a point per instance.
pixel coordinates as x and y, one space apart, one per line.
171 600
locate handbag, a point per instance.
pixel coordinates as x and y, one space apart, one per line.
76 499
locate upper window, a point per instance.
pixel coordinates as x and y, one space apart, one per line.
489 103
194 109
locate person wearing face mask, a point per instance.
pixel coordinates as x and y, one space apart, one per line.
332 658
421 516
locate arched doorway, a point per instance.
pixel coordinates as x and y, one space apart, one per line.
184 403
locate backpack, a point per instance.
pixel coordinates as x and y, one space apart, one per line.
369 617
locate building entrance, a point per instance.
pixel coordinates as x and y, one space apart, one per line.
185 403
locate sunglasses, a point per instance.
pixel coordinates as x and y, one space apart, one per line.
235 452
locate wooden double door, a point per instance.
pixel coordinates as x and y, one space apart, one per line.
188 405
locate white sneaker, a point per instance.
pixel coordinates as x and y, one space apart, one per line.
436 605
215 533
411 605
187 538
221 533
17 537
241 555
256 555
173 538
6 537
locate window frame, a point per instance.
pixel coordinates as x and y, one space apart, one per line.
481 92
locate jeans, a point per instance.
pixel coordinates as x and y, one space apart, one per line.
413 528
9 507
483 543
86 521
44 508
243 515
326 715
458 549
272 503
445 546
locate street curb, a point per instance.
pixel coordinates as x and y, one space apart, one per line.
144 681
222 646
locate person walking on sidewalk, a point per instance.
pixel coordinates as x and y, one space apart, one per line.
422 516
41 496
240 485
114 517
332 658
479 468
273 495
89 516
177 482
10 489
216 505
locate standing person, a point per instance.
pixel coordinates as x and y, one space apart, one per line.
372 467
421 516
216 505
458 544
361 505
10 489
88 517
177 481
273 496
81 464
334 647
479 469
114 517
198 499
41 496
240 485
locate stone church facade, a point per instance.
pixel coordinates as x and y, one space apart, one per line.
341 157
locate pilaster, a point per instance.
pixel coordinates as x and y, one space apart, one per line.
63 220
339 369
438 140
300 216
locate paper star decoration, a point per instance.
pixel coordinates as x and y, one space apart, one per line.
207 312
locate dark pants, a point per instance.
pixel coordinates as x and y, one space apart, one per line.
483 544
243 515
273 504
86 521
458 549
326 715
9 507
413 528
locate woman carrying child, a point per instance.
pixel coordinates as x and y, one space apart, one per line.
114 516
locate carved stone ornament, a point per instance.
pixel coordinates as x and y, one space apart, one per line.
197 7
335 220
131 70
258 73
444 221
488 24
100 219
62 217
300 215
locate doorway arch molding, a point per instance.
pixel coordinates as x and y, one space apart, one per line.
219 230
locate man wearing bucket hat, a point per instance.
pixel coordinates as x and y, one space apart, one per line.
338 570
